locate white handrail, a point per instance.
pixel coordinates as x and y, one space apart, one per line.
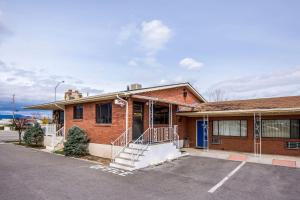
60 132
120 143
154 135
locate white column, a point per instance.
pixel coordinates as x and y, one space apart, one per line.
65 123
170 115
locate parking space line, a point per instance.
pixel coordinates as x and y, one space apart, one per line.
213 189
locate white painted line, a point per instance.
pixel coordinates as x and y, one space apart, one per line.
213 189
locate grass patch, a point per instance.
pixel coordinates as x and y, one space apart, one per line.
60 152
104 161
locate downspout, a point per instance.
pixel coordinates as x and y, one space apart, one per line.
126 120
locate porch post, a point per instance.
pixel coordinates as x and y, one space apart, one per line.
170 116
65 123
257 134
150 114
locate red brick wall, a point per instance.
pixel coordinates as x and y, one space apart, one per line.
174 94
99 133
244 144
106 133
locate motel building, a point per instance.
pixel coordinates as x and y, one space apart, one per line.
144 126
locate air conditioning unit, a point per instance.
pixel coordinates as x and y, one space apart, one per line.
135 86
293 145
216 140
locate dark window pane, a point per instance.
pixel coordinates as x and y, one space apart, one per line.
160 114
295 130
61 117
104 113
78 112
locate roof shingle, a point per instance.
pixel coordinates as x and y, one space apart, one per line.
249 104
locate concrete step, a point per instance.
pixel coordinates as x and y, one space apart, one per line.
122 166
136 146
125 161
134 150
128 155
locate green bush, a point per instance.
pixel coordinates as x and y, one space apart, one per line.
34 135
77 142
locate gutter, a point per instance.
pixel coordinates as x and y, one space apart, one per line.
249 111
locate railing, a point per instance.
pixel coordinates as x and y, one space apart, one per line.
120 143
60 132
154 136
49 129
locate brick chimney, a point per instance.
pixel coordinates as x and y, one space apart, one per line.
70 94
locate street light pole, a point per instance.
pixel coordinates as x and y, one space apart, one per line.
56 88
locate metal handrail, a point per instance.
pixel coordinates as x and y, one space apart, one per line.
152 136
60 132
121 143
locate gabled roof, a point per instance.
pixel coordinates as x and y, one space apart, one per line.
263 105
106 96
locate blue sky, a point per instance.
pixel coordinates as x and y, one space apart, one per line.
248 49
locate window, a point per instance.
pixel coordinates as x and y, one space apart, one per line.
61 117
230 128
295 129
78 112
160 114
280 128
104 113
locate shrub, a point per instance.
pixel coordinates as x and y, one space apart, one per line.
34 135
77 142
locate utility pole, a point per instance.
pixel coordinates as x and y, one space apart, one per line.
56 88
14 106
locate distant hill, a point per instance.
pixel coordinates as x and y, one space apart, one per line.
11 116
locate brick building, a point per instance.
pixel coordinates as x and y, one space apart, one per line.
159 114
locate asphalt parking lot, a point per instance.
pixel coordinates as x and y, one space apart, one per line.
29 174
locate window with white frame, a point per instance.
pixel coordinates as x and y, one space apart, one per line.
230 128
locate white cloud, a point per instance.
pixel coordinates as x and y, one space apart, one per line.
190 63
154 35
150 36
277 83
36 85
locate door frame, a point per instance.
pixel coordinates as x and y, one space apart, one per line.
143 117
197 135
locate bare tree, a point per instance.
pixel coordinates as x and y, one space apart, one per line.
216 95
20 126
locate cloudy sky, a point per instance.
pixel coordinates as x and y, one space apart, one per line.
248 49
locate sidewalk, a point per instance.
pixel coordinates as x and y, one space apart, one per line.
288 161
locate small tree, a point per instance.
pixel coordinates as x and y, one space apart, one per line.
20 126
216 95
34 135
77 142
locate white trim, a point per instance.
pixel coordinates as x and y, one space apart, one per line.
50 106
249 111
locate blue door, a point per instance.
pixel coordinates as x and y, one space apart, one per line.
201 134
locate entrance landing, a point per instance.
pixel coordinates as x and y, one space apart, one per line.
279 160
